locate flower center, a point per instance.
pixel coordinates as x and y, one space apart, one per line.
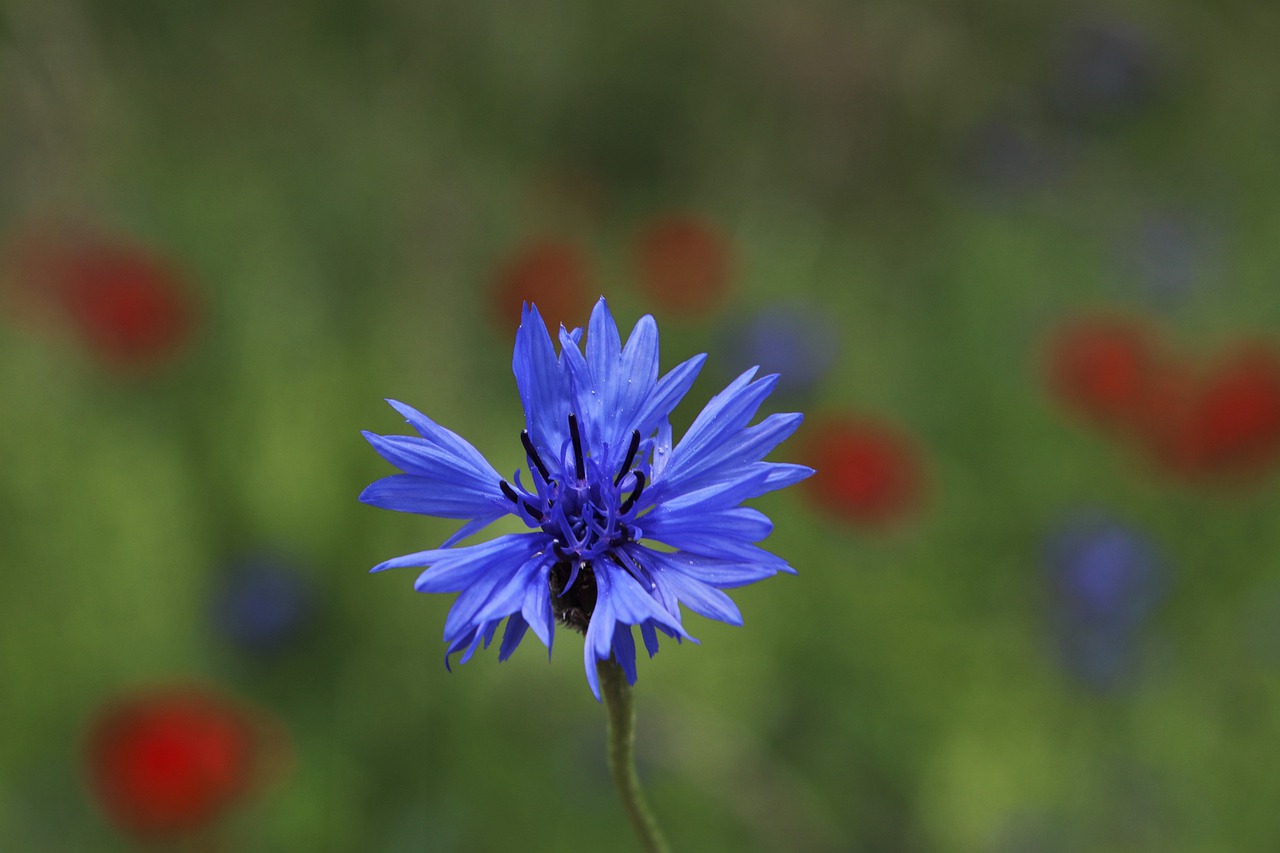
585 509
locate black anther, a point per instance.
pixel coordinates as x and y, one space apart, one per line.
631 457
631 500
532 453
579 467
518 501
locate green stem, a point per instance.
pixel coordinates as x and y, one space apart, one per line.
616 693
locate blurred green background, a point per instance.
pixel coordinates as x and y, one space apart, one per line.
339 184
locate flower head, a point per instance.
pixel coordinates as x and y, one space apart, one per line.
624 525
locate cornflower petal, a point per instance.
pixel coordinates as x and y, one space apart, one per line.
712 571
730 458
443 438
667 394
621 600
540 381
411 493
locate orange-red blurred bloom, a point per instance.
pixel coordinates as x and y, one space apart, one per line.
130 307
1102 368
553 272
171 761
683 263
867 471
1227 423
1222 421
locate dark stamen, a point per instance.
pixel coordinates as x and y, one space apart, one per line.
518 501
631 457
532 453
578 467
631 500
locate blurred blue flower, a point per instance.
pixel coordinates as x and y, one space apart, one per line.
1170 252
797 343
605 484
1107 70
261 602
1106 579
1008 155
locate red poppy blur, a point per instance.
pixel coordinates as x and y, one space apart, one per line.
129 306
171 761
683 263
1197 424
867 472
1229 423
1101 368
553 273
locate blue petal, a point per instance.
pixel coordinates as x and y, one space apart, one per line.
623 378
470 558
496 593
701 598
624 650
419 456
650 636
543 388
720 573
722 494
604 348
733 454
471 528
696 532
783 474
668 393
721 420
586 402
470 642
620 599
512 635
445 439
537 611
638 372
409 493
524 584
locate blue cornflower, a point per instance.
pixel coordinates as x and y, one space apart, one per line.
624 525
1107 579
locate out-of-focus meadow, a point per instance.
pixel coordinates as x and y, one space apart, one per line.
1018 264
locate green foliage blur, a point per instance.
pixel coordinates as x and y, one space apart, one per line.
338 182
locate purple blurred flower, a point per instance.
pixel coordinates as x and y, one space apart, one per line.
261 602
1005 155
1106 578
1169 252
797 342
1105 71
